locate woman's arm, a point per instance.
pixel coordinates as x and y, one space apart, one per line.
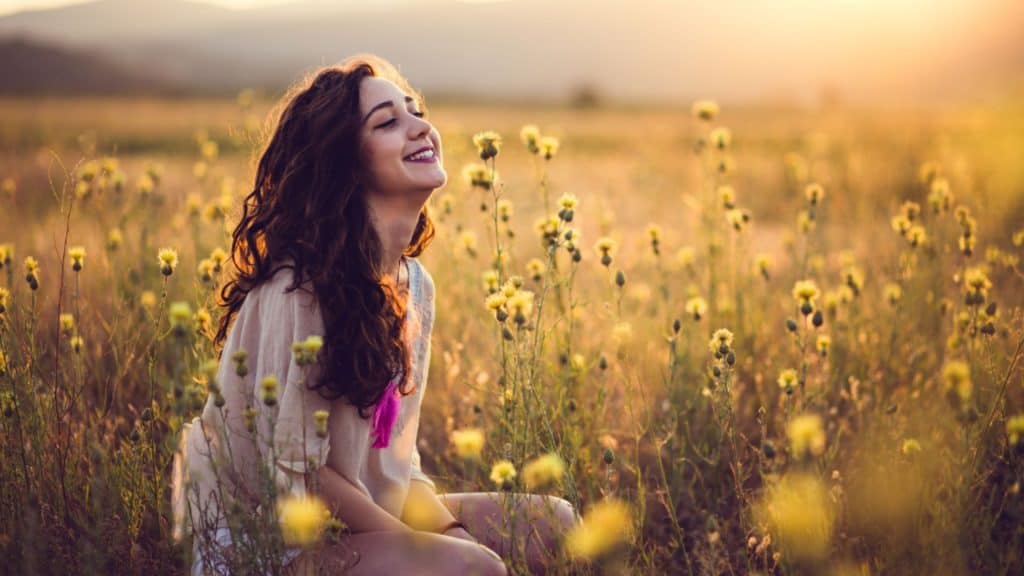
425 511
352 506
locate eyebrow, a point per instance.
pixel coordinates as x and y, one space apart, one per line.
383 104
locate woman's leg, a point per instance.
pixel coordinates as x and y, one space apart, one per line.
534 529
373 553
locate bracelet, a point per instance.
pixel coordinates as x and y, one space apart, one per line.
450 525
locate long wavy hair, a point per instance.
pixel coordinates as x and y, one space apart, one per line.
307 211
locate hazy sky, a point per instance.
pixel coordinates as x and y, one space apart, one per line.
11 6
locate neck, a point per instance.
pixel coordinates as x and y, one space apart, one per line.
395 223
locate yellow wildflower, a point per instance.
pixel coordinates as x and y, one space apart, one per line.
806 436
798 514
302 520
168 260
788 380
488 144
549 147
1015 429
957 376
543 471
503 473
77 255
530 136
721 137
468 443
814 193
605 527
705 110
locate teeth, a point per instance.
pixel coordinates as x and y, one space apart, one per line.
429 153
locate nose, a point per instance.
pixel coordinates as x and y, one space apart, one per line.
419 128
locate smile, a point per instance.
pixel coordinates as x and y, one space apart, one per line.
425 155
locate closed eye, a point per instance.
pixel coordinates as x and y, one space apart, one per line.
386 124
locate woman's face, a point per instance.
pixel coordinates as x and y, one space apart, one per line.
402 149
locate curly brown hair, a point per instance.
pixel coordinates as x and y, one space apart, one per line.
307 211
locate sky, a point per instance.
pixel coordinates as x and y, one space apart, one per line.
12 6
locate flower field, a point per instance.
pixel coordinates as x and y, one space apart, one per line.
751 340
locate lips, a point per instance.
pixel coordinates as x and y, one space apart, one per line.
425 154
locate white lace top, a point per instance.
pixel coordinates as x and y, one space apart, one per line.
267 324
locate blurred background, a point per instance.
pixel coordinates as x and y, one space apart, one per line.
798 52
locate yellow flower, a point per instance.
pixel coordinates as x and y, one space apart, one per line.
114 239
805 291
530 136
488 144
804 222
505 209
31 272
977 280
1015 429
720 138
268 389
203 321
147 299
67 323
5 296
705 110
490 280
939 197
798 514
720 338
814 193
503 473
916 235
910 446
728 196
180 314
535 269
76 344
893 293
320 422
806 435
568 201
209 150
762 264
6 254
31 265
168 260
302 520
737 218
77 255
468 443
605 527
205 270
823 344
957 376
543 471
145 185
910 210
548 147
696 307
477 175
467 240
788 380
521 303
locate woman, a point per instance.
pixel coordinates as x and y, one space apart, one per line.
327 248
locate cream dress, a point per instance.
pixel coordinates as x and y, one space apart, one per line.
267 324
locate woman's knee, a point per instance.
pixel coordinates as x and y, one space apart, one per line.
564 513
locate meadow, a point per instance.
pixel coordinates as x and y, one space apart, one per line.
740 340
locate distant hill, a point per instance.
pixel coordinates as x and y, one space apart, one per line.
32 68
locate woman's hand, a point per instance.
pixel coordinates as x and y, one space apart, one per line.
460 533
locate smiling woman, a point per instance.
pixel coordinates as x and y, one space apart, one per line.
336 215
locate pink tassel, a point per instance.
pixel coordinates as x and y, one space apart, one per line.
384 416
